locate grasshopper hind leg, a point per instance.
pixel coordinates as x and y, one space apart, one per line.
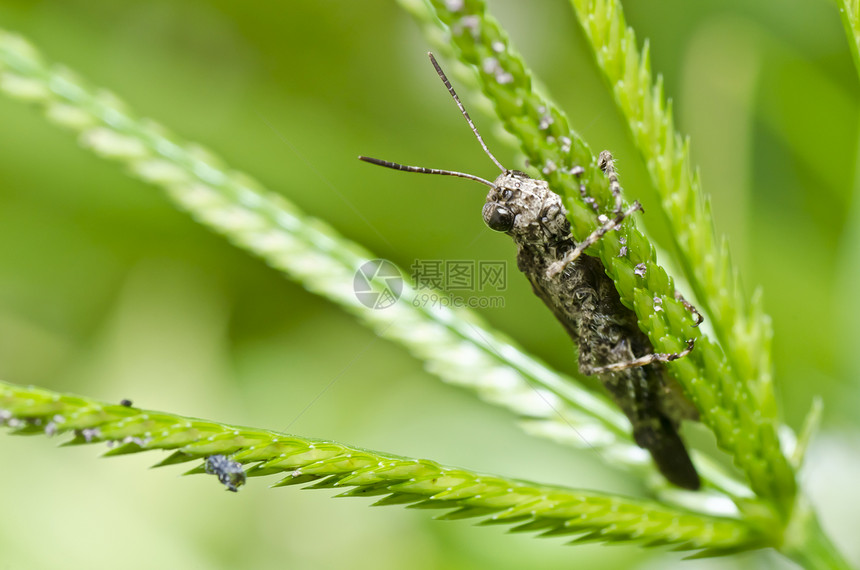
652 358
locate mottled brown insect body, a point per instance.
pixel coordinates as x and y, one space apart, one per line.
585 301
583 298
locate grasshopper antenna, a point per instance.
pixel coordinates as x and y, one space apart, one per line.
423 170
447 83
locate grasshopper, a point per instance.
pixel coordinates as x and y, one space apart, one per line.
584 299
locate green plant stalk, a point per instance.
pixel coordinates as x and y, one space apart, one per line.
744 333
806 543
849 12
725 400
553 511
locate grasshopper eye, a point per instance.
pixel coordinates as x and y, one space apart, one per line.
497 217
507 193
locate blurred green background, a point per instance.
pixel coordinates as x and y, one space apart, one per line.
108 291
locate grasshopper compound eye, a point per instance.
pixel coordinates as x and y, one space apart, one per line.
498 217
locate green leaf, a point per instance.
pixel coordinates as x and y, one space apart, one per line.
419 483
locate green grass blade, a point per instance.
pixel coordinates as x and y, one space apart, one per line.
849 12
359 472
743 329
